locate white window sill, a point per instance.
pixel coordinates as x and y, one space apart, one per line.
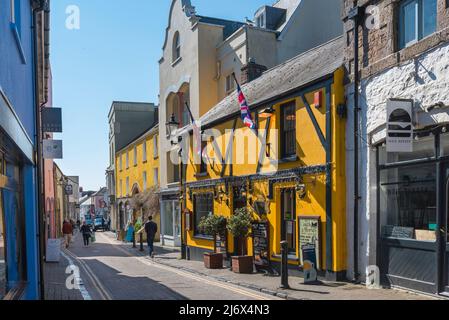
174 63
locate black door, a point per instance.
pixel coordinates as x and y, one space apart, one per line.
444 235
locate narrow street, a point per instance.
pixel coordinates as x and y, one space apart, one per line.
110 272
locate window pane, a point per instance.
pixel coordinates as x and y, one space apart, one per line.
204 206
424 148
289 217
429 17
444 145
410 30
289 130
408 202
168 215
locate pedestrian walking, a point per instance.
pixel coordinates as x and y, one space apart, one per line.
130 232
151 230
87 233
67 231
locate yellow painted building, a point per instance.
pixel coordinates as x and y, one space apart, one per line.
137 171
299 177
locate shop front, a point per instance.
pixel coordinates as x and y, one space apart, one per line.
413 213
170 219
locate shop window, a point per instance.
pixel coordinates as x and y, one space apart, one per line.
408 202
288 130
423 148
288 227
203 207
417 20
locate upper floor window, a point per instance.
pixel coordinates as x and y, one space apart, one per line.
144 181
230 84
135 155
156 176
288 130
417 20
120 163
260 20
155 147
127 160
127 185
176 47
144 151
15 15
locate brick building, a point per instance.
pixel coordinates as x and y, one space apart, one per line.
397 141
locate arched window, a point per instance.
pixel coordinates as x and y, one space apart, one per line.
176 47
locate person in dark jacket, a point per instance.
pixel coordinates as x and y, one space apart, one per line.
86 232
67 231
151 230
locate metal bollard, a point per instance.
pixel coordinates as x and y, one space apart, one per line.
284 265
134 240
141 241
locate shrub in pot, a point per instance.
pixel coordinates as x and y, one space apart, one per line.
213 225
239 225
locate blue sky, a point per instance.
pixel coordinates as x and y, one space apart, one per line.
114 56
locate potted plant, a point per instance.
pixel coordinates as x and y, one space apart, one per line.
240 226
213 225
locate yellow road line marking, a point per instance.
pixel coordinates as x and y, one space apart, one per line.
190 275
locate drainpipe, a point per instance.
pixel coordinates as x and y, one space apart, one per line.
354 15
42 6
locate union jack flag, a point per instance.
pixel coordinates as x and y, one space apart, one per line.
244 109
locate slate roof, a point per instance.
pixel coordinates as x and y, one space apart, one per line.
292 74
229 26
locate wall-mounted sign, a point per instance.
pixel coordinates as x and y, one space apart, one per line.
52 149
310 236
51 119
399 125
69 190
221 243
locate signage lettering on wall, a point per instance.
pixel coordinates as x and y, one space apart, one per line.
399 125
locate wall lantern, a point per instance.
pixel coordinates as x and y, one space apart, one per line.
301 190
172 125
267 113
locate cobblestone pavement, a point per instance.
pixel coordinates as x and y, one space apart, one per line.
114 271
270 285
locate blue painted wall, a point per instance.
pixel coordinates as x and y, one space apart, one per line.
17 82
16 77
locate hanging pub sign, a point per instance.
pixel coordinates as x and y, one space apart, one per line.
260 244
52 149
51 120
69 190
399 125
310 239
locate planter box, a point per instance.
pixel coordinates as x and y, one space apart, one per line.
213 260
243 264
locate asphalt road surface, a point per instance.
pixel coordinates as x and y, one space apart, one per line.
110 272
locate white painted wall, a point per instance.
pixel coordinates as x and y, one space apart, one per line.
426 81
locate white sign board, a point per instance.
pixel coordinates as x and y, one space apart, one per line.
52 149
53 250
399 125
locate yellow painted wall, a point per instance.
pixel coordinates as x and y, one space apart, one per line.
310 153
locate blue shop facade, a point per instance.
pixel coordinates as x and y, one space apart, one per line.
21 68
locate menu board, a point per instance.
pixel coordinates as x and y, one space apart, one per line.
260 244
53 250
310 236
221 243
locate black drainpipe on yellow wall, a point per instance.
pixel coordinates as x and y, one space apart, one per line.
355 15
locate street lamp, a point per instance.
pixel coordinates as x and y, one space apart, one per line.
172 125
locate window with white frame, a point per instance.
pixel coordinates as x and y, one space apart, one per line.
120 162
156 176
135 155
127 160
176 47
127 186
417 20
121 188
260 20
144 176
155 147
144 151
230 84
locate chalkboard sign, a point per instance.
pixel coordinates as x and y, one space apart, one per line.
310 236
398 232
53 250
221 243
260 244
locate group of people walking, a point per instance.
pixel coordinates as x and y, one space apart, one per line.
68 229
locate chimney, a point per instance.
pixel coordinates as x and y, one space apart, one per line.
251 71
